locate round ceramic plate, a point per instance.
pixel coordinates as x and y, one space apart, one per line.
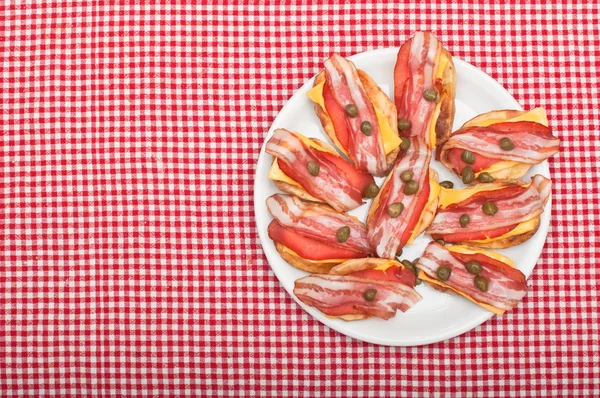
438 316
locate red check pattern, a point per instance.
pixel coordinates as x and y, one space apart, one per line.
130 261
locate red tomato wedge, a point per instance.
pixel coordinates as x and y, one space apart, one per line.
307 248
337 115
401 72
394 273
490 262
419 205
518 127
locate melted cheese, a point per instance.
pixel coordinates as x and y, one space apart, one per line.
328 261
439 75
387 264
537 115
434 193
471 250
450 196
276 174
423 276
390 139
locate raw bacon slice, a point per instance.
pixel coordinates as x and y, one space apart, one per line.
516 204
533 143
344 85
388 235
506 285
339 185
376 268
413 74
318 223
342 295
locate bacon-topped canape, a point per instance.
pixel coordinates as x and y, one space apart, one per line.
360 289
486 278
406 202
314 237
499 144
424 89
496 215
358 117
313 170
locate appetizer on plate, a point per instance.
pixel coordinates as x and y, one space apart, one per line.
314 237
486 278
358 117
406 202
313 170
360 289
499 144
425 89
495 215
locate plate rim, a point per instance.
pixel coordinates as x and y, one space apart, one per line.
341 327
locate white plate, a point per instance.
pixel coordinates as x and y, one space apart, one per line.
438 316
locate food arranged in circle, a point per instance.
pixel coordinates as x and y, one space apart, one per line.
354 266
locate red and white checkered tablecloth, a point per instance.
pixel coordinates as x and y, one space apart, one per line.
130 261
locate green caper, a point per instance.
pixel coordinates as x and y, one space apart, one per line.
369 294
405 143
406 175
411 187
408 264
473 267
506 144
443 272
485 177
371 190
366 128
440 242
468 157
395 209
431 95
464 220
403 124
313 168
489 208
447 184
418 281
481 283
351 110
399 253
467 175
343 234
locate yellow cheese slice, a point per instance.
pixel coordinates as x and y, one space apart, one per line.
537 115
386 265
522 228
328 261
423 276
439 74
470 250
390 139
434 192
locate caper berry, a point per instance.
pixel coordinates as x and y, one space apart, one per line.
485 177
395 209
464 220
468 157
406 175
405 143
447 184
506 144
467 175
351 110
370 294
473 267
443 272
313 168
403 124
411 187
431 95
366 128
371 190
481 283
343 234
489 208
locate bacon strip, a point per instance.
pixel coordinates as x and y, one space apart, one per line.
506 285
423 62
533 142
368 268
346 88
337 295
330 185
318 223
388 235
515 204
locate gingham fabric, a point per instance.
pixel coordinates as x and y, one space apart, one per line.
131 264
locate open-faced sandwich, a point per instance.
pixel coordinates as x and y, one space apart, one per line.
486 278
499 144
424 89
495 215
360 289
406 202
313 170
314 237
358 117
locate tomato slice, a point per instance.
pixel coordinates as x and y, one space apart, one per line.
492 262
479 235
337 115
419 206
394 273
481 162
307 248
401 73
518 127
